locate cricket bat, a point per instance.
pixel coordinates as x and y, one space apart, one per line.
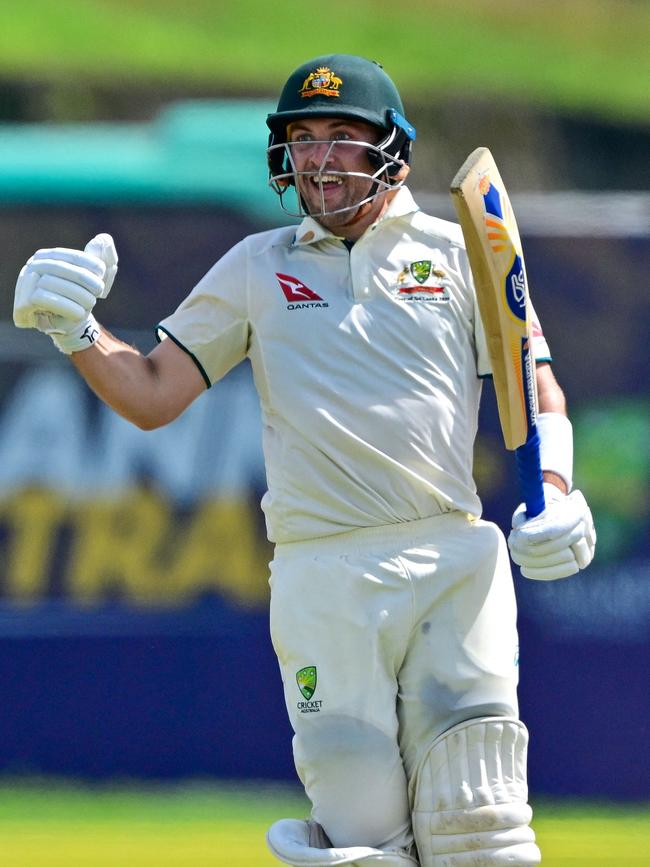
497 262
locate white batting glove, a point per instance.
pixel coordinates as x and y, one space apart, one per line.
58 288
557 543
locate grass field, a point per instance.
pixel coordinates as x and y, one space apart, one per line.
203 826
587 54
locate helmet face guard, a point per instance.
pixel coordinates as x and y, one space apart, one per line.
290 177
345 87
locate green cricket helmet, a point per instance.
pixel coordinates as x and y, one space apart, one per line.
346 86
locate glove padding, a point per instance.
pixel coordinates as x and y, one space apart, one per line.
558 542
58 288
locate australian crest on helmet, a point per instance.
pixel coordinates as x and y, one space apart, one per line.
323 82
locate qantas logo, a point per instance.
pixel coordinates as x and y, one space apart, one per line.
297 294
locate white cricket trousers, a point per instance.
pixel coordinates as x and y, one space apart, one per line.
386 637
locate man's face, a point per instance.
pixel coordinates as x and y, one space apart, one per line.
327 188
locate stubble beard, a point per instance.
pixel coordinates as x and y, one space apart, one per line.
355 192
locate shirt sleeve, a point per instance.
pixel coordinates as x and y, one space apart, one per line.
541 351
212 323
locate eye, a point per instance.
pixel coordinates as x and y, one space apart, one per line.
302 137
342 135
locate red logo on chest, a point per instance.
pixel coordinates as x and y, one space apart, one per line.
295 290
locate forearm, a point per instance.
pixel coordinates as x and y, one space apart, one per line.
551 400
561 540
550 397
122 378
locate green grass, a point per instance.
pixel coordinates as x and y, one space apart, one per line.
585 54
126 826
64 825
578 835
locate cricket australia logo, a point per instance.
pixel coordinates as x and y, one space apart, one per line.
306 679
423 281
421 270
324 82
297 294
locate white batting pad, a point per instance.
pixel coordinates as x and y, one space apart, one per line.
303 844
470 798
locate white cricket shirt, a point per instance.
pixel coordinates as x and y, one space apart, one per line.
366 361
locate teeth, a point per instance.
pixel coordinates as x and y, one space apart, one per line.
328 179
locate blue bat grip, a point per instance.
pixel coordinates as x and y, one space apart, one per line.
530 474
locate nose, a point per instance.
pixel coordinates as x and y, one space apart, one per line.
315 155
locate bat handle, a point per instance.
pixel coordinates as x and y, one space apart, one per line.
530 474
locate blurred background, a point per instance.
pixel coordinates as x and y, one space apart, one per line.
142 716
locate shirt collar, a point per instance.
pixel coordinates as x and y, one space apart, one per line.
310 231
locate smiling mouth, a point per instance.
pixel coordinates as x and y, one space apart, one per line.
327 180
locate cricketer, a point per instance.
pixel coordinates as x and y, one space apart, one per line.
392 611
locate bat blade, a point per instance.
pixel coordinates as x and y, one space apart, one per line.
497 262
